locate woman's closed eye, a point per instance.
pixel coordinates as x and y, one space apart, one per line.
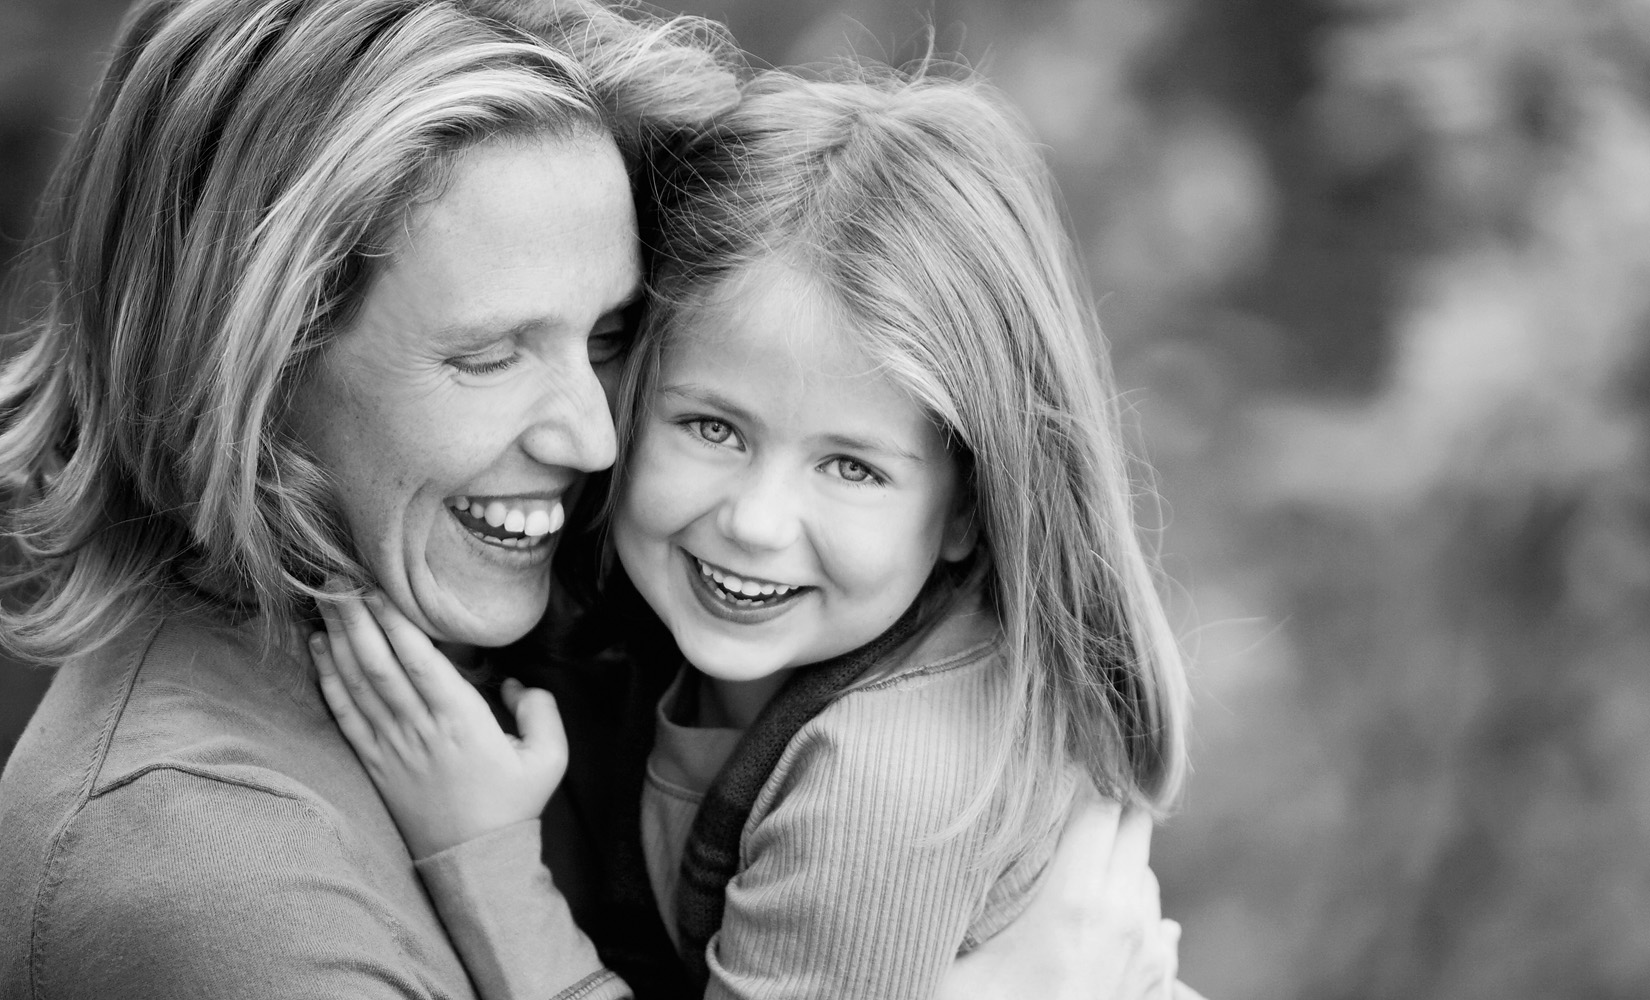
613 335
608 347
854 472
486 362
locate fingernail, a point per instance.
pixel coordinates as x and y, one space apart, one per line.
318 642
375 601
511 684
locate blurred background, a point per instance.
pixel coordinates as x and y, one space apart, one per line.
1376 275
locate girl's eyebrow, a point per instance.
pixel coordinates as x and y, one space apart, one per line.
873 445
705 396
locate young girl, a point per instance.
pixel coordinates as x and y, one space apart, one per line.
874 488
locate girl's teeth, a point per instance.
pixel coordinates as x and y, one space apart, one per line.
514 521
745 588
494 514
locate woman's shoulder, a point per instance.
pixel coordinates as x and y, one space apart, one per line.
193 710
191 879
182 775
215 703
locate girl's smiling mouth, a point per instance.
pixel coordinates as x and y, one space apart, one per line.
736 598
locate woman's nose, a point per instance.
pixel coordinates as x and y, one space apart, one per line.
761 513
572 426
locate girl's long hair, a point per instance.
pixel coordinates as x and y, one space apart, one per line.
245 168
926 210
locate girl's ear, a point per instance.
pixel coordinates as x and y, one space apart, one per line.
961 532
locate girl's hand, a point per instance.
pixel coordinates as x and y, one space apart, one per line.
1093 931
446 770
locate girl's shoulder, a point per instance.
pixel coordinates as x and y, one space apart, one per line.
921 712
964 642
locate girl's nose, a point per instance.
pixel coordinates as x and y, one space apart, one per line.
761 513
572 427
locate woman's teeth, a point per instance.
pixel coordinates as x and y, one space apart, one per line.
751 591
516 524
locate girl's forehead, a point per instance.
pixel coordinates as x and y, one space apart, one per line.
771 310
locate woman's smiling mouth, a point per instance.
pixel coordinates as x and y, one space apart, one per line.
513 522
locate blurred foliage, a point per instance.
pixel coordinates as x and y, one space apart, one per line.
1377 279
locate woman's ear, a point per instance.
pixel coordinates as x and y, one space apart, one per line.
961 531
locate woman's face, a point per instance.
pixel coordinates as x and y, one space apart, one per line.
469 396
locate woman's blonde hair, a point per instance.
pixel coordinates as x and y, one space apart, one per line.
245 167
924 207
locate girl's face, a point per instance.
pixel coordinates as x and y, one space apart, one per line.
785 500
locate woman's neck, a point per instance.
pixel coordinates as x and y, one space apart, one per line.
463 656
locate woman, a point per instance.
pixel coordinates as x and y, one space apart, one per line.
325 282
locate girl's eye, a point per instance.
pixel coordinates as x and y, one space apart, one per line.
713 430
855 472
480 364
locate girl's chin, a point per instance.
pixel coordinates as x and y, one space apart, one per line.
724 665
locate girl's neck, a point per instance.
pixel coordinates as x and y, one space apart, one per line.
735 704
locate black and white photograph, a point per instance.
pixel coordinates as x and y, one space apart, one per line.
829 499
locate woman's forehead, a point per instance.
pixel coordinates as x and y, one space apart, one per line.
524 232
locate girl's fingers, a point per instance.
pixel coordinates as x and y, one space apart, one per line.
379 666
536 719
437 682
361 692
350 721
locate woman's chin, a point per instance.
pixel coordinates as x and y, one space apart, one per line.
476 601
480 617
497 625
